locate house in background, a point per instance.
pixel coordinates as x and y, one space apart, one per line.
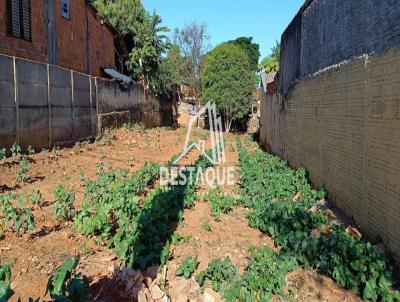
69 34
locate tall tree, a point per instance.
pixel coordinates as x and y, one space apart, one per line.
169 73
252 50
193 41
143 35
271 62
229 82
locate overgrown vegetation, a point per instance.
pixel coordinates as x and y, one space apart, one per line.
280 199
142 33
218 272
137 229
271 62
264 276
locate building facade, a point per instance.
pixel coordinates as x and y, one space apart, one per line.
69 34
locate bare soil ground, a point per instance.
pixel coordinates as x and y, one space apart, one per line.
35 256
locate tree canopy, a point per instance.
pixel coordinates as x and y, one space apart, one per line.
170 72
142 33
228 81
252 50
271 62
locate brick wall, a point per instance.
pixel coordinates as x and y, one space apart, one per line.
70 36
35 50
82 42
343 126
101 44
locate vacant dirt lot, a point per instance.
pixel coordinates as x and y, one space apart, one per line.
34 256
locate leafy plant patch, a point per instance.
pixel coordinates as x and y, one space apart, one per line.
5 290
220 203
280 198
187 267
65 285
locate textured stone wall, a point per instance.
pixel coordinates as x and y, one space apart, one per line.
343 126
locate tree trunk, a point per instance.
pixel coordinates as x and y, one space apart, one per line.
228 123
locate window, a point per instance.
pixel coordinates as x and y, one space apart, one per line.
19 18
65 9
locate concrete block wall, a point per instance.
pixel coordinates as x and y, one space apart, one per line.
117 106
33 110
44 105
325 33
343 126
337 30
8 116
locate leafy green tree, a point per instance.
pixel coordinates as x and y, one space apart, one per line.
271 62
170 72
252 50
228 81
142 32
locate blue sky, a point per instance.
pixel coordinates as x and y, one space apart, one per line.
265 20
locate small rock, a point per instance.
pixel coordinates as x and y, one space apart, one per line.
380 248
180 286
35 261
135 292
297 196
352 231
165 299
138 279
111 270
157 293
182 298
318 206
329 214
152 272
130 284
130 271
211 296
148 281
142 296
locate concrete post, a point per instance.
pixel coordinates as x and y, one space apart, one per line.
16 100
49 104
